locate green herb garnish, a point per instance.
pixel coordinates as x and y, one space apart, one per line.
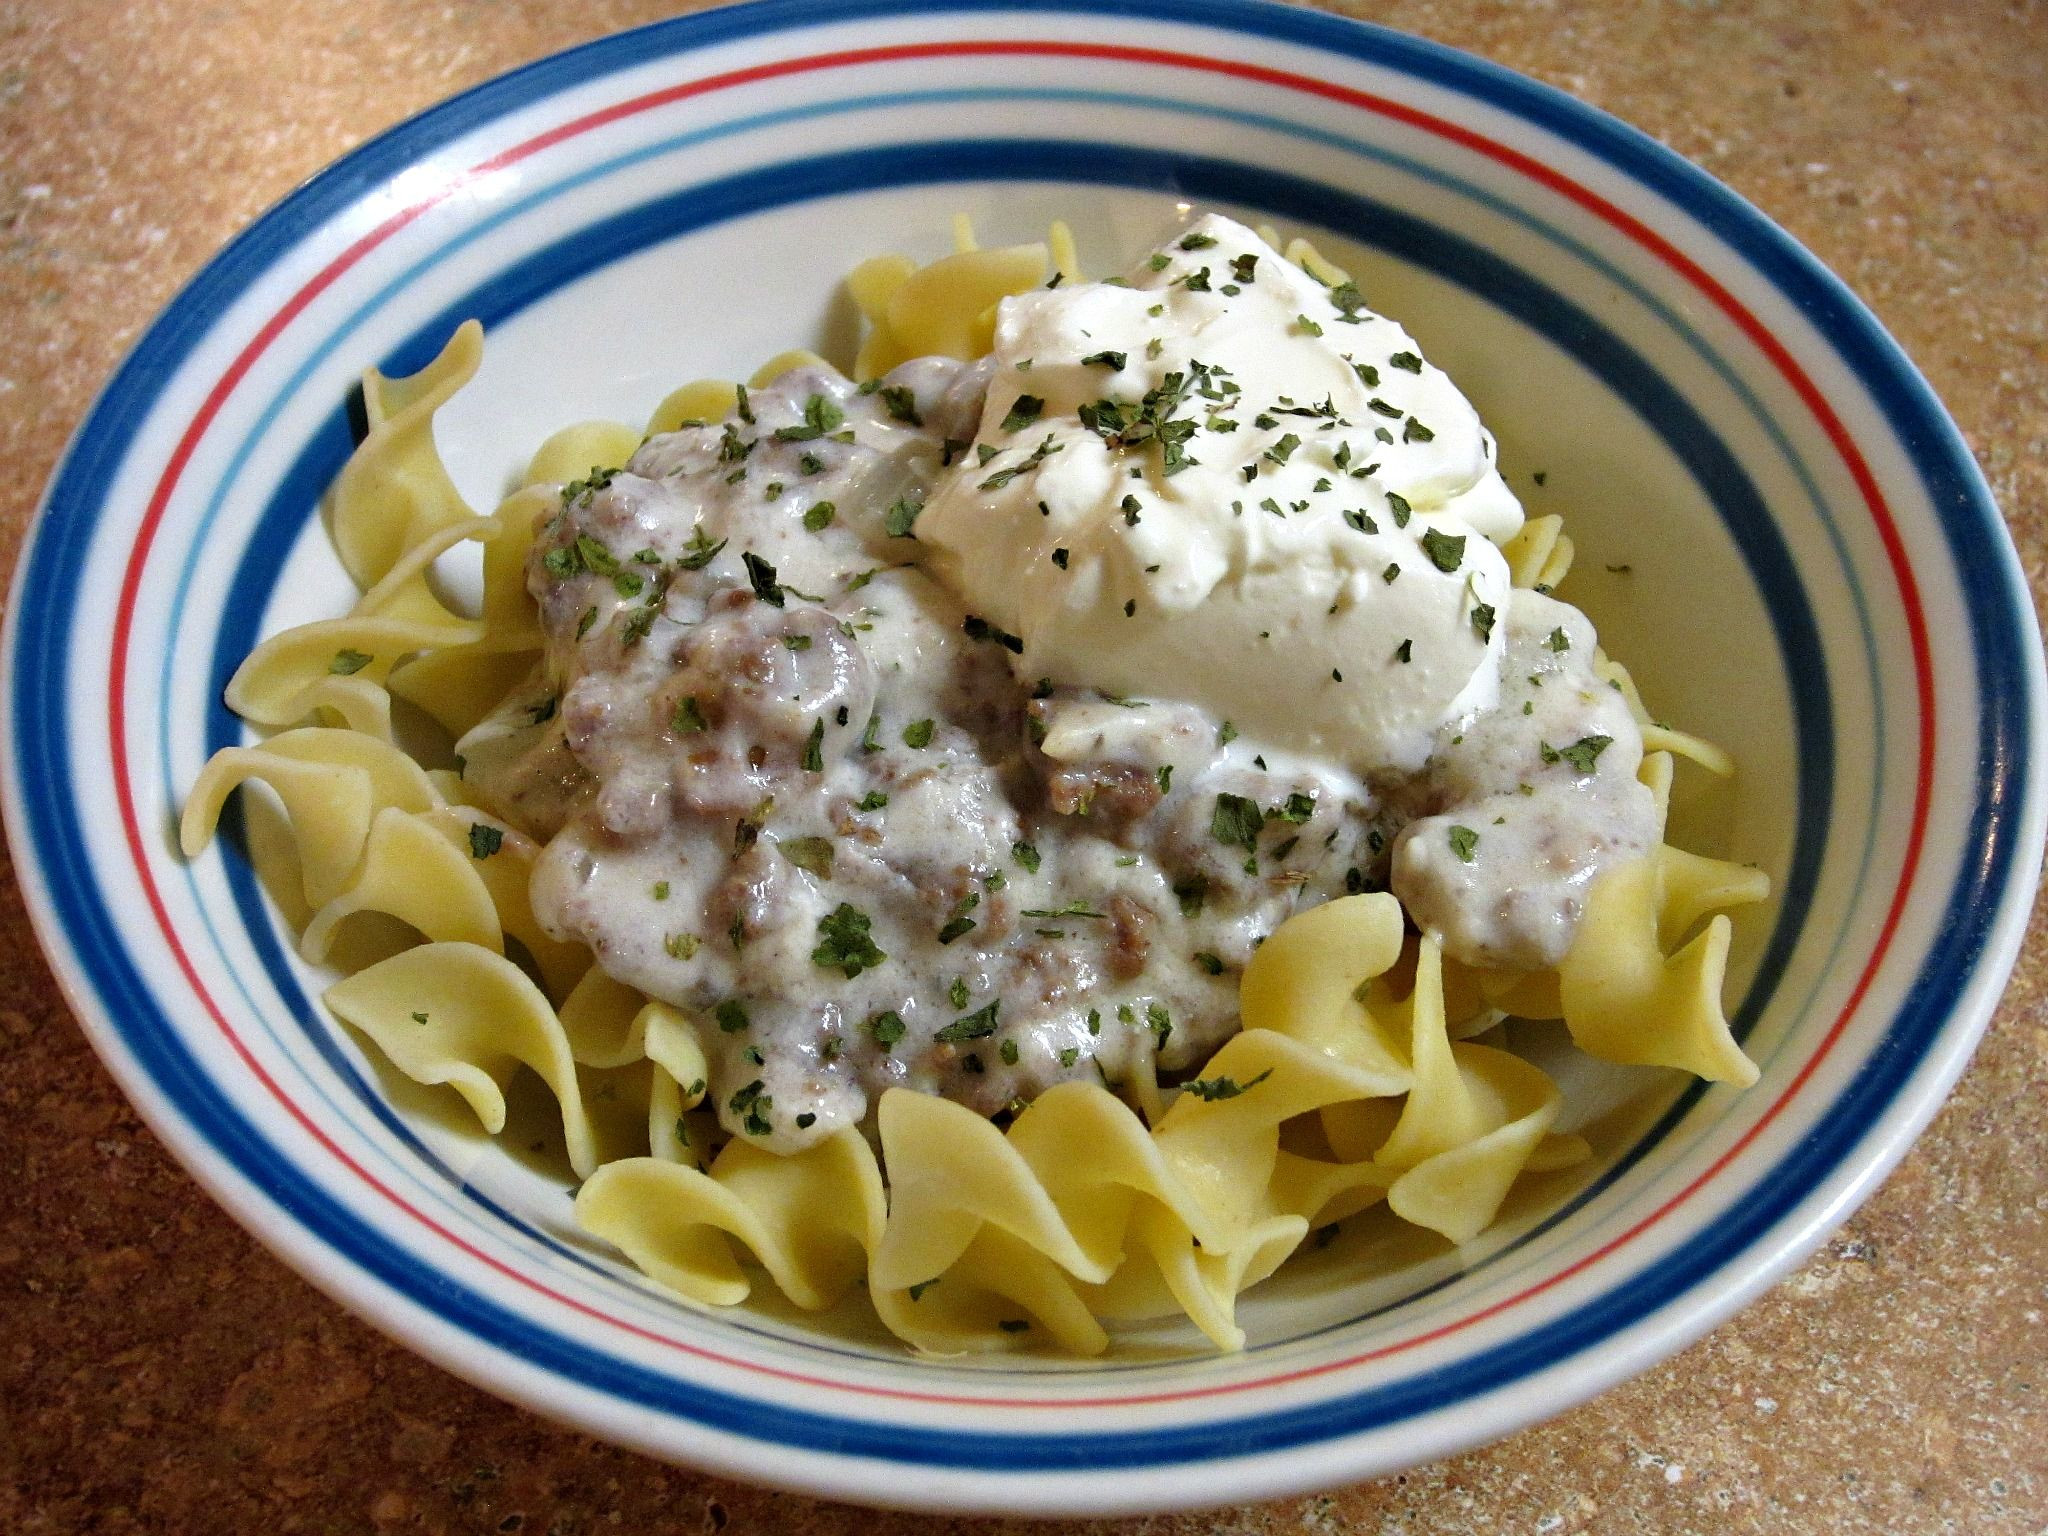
959 923
582 490
901 402
813 854
887 1027
1237 822
821 415
1581 754
1445 550
844 943
761 576
977 628
901 518
1039 455
1023 411
977 1025
1211 1089
754 1105
699 552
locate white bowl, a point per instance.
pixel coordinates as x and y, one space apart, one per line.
1818 579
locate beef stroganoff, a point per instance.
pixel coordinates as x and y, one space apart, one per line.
969 807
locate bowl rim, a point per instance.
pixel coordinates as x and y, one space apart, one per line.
1998 909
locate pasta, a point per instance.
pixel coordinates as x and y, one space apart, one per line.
1354 1081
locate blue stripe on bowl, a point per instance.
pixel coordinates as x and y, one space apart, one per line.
1999 626
591 248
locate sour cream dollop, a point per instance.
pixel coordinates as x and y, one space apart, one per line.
1221 481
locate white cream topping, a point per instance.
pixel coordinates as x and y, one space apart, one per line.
1336 603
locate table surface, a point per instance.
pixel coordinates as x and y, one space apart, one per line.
159 1372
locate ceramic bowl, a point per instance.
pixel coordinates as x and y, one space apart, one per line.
1779 528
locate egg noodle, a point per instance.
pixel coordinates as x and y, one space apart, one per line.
1351 1083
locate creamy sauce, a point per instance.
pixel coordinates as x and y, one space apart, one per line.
818 769
1545 784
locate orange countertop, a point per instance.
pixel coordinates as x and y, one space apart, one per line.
159 1372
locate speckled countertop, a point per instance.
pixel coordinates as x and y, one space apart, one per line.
158 1372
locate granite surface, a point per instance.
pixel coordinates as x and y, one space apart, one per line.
158 1372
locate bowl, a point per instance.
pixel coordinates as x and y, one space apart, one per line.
1779 528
